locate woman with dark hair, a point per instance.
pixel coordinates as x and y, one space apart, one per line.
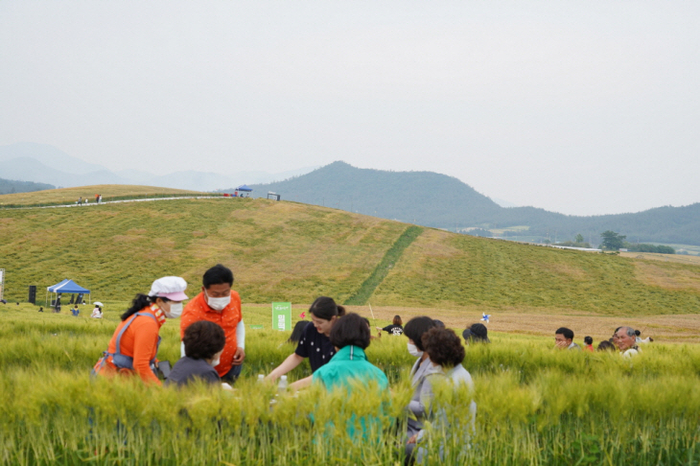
204 342
414 330
395 328
298 331
350 336
133 347
605 345
314 343
446 353
476 333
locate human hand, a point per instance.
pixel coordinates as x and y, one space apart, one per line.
239 356
413 439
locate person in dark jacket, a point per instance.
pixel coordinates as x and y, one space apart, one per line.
204 342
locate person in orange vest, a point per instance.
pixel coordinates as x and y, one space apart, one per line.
220 304
133 347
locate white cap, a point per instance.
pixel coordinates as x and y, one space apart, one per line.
169 287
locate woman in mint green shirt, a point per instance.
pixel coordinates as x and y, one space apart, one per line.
349 366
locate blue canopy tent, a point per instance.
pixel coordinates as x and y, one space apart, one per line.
66 286
244 188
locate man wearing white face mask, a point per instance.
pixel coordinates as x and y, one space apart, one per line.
220 304
133 347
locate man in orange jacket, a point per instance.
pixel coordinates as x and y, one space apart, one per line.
220 304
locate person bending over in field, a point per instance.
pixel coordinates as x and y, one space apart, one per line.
445 353
625 340
414 330
314 343
476 333
605 345
133 347
204 342
564 339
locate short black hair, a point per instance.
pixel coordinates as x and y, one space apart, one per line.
443 346
203 339
567 332
351 329
588 340
217 275
416 327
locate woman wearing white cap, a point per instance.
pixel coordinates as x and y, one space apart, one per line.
133 347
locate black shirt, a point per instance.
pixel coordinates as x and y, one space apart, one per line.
187 369
394 329
315 346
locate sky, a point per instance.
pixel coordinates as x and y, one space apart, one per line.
576 107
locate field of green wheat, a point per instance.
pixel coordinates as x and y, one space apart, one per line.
535 405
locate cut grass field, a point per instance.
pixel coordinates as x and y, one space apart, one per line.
286 251
71 195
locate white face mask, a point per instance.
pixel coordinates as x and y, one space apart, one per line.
175 310
217 359
413 351
218 304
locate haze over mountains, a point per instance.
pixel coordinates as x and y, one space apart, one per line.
423 198
441 201
43 163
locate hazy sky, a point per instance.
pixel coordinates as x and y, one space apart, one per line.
580 107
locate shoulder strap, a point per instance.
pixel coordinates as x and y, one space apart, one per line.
117 349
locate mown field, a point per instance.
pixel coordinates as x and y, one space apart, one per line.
284 251
71 195
535 405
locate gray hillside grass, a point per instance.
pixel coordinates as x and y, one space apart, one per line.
382 269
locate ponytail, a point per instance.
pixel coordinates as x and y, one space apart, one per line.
139 302
341 310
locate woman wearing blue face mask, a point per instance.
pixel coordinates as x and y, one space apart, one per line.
204 342
133 347
414 330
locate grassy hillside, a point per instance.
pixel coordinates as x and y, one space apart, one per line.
296 252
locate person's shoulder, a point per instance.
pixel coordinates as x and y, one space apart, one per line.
194 303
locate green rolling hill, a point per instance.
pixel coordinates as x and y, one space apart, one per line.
296 252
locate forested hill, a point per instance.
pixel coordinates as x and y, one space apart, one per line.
11 186
441 201
425 198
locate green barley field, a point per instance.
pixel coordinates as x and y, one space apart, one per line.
535 405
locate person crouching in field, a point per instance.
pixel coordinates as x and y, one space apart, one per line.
220 304
350 336
314 343
445 353
133 347
204 342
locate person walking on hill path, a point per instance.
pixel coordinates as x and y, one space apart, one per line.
134 345
218 303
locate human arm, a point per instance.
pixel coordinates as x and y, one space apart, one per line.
145 347
239 356
301 383
292 361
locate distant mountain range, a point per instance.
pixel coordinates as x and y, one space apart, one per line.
441 201
41 163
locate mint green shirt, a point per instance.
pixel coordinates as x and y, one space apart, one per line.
347 364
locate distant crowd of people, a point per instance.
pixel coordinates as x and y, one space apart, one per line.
626 339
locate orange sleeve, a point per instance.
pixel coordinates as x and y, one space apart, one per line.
145 347
189 316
